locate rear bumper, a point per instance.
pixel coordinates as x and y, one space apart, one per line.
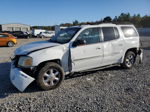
20 79
140 53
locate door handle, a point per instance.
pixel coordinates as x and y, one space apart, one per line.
98 48
120 44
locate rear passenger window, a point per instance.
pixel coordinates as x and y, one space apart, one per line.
110 33
129 31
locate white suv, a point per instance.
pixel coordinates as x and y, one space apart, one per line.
46 34
74 49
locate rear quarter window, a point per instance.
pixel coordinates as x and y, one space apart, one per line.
129 31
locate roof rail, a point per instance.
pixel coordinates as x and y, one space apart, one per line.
108 23
124 23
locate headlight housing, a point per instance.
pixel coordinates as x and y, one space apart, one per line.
25 61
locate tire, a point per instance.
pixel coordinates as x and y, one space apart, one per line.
129 60
42 36
50 76
10 44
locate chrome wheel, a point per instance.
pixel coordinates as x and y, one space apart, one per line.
130 59
51 77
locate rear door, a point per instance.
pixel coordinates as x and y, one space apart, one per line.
113 45
89 55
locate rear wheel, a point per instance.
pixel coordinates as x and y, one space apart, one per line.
129 59
10 44
28 37
50 76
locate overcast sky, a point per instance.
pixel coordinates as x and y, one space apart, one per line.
52 12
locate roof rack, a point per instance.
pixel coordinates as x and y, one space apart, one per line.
123 23
107 24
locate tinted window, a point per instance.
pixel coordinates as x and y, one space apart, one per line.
91 35
3 36
110 33
129 31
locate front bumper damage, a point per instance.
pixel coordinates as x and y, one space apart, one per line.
20 79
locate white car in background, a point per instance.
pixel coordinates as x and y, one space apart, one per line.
74 49
35 32
46 34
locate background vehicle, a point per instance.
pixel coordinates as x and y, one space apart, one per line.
35 32
75 49
59 28
7 40
46 34
21 34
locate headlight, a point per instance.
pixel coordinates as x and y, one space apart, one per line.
25 61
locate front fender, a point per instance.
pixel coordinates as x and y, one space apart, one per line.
45 55
51 54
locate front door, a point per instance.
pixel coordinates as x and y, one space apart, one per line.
3 40
90 54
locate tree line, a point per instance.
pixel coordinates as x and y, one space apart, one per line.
124 18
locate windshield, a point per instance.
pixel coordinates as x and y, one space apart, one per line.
65 35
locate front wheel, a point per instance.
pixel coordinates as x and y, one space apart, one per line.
129 59
50 76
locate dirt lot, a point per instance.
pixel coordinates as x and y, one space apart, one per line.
113 89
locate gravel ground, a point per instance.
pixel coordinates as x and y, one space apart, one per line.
113 89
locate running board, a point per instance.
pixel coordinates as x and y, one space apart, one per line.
100 68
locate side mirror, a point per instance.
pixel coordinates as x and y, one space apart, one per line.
78 42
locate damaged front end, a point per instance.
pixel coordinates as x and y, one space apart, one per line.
19 77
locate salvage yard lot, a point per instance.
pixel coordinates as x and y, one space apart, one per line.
113 89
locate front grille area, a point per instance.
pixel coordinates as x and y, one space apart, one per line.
28 71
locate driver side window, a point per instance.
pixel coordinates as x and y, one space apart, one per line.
90 36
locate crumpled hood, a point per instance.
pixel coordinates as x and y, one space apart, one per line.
27 48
